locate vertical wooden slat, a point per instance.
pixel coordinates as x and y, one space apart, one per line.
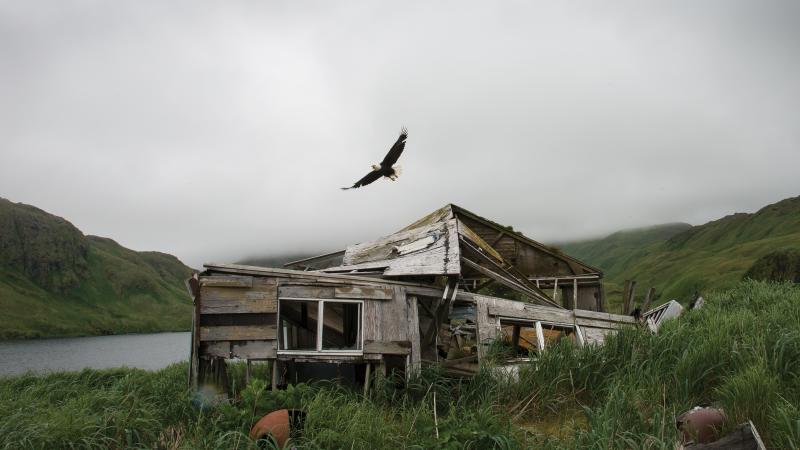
579 334
540 335
555 290
651 293
574 293
413 334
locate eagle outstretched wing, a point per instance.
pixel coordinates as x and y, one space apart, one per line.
396 150
368 178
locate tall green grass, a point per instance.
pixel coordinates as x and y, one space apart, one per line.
741 352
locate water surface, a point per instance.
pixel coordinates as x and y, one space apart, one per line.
145 351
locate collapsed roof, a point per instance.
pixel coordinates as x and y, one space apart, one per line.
454 242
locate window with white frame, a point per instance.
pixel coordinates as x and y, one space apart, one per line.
300 329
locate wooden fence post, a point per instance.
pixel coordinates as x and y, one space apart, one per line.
651 294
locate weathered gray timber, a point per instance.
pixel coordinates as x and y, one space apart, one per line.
390 303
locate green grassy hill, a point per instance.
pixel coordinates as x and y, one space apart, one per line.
54 281
678 259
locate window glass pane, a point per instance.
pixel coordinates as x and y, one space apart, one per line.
297 328
341 326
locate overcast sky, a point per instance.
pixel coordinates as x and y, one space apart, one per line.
219 130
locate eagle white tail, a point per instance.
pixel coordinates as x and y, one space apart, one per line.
398 170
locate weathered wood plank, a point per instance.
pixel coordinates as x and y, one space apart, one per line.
217 349
238 333
595 335
538 314
254 349
487 326
228 293
312 292
388 347
236 281
365 292
392 318
413 333
586 314
441 257
269 273
596 323
246 304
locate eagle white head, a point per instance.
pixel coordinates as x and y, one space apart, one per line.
376 167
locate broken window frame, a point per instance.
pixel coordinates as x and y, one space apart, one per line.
319 350
537 325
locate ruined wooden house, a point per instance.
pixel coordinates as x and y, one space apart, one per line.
389 305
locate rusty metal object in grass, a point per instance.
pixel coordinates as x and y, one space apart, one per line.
279 424
700 425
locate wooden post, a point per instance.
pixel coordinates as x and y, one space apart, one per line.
247 373
651 294
574 293
193 285
601 298
627 296
382 366
366 378
275 374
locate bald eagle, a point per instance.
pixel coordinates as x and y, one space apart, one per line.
386 168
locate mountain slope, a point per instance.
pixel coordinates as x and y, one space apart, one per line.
54 281
679 260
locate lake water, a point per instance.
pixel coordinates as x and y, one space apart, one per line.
145 351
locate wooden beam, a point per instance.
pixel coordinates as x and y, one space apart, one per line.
508 271
510 283
586 314
553 315
497 238
566 278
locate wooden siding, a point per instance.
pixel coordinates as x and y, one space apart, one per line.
238 332
363 292
221 298
490 311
